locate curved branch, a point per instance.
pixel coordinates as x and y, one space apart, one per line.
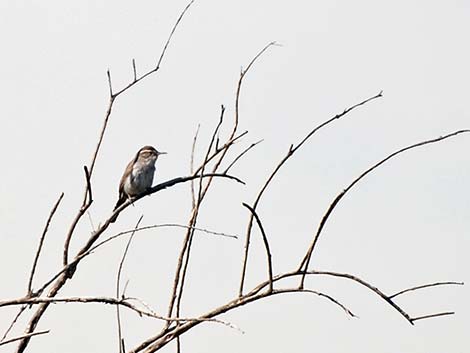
306 260
266 245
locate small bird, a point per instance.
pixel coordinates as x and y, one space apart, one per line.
138 176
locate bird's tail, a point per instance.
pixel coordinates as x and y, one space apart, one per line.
118 203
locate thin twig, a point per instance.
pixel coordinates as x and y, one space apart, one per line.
134 69
241 155
173 32
425 286
87 201
289 154
266 245
110 85
432 315
175 225
15 319
162 55
118 287
191 166
306 260
90 219
28 335
230 142
89 198
242 76
41 242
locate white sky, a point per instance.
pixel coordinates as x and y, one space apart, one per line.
404 225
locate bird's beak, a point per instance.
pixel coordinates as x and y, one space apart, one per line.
159 153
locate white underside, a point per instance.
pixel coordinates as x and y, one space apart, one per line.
140 179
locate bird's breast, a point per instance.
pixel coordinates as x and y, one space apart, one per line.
140 179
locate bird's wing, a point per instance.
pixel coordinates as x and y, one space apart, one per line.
122 193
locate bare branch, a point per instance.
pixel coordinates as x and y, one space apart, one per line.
240 81
289 154
266 245
41 242
306 260
425 286
162 55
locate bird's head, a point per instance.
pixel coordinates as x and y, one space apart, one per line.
149 153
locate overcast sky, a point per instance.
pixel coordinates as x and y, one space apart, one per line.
405 224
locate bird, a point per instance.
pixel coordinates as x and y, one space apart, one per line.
138 176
